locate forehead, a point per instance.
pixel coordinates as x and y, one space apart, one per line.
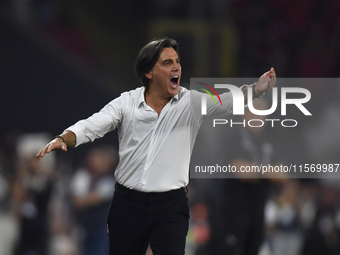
168 53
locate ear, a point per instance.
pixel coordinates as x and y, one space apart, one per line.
149 75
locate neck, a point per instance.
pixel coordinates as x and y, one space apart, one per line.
155 101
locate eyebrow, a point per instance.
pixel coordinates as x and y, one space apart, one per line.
170 60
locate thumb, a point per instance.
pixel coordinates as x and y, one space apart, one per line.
64 147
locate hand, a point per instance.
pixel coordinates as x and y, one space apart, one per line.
266 82
55 144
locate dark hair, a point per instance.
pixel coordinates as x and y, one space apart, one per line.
149 55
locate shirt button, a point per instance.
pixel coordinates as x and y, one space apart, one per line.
143 182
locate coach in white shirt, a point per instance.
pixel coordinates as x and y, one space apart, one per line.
157 126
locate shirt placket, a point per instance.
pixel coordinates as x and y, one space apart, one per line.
150 154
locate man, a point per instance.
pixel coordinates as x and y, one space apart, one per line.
157 128
92 187
243 226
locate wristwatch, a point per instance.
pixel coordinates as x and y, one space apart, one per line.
59 136
255 95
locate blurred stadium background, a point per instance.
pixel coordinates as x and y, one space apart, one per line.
62 60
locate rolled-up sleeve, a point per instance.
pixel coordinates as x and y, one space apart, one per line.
100 123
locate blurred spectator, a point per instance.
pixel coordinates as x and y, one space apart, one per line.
8 228
92 191
31 195
241 225
8 224
63 241
322 236
282 220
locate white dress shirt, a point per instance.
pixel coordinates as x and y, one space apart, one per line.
154 151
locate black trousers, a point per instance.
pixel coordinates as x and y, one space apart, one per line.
137 219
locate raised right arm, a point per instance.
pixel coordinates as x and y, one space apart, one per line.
88 129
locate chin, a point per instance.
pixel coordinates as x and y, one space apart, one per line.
174 92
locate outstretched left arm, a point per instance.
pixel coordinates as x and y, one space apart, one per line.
265 83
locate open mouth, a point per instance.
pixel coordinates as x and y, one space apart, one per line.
174 81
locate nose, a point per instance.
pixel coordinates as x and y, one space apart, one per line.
177 67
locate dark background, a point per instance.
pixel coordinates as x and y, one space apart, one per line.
63 60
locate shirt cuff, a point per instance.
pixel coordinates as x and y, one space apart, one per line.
80 137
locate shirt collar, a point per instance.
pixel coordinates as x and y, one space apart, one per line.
141 98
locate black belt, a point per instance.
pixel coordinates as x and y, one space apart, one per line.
145 195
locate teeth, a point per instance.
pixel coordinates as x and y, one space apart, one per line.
174 82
